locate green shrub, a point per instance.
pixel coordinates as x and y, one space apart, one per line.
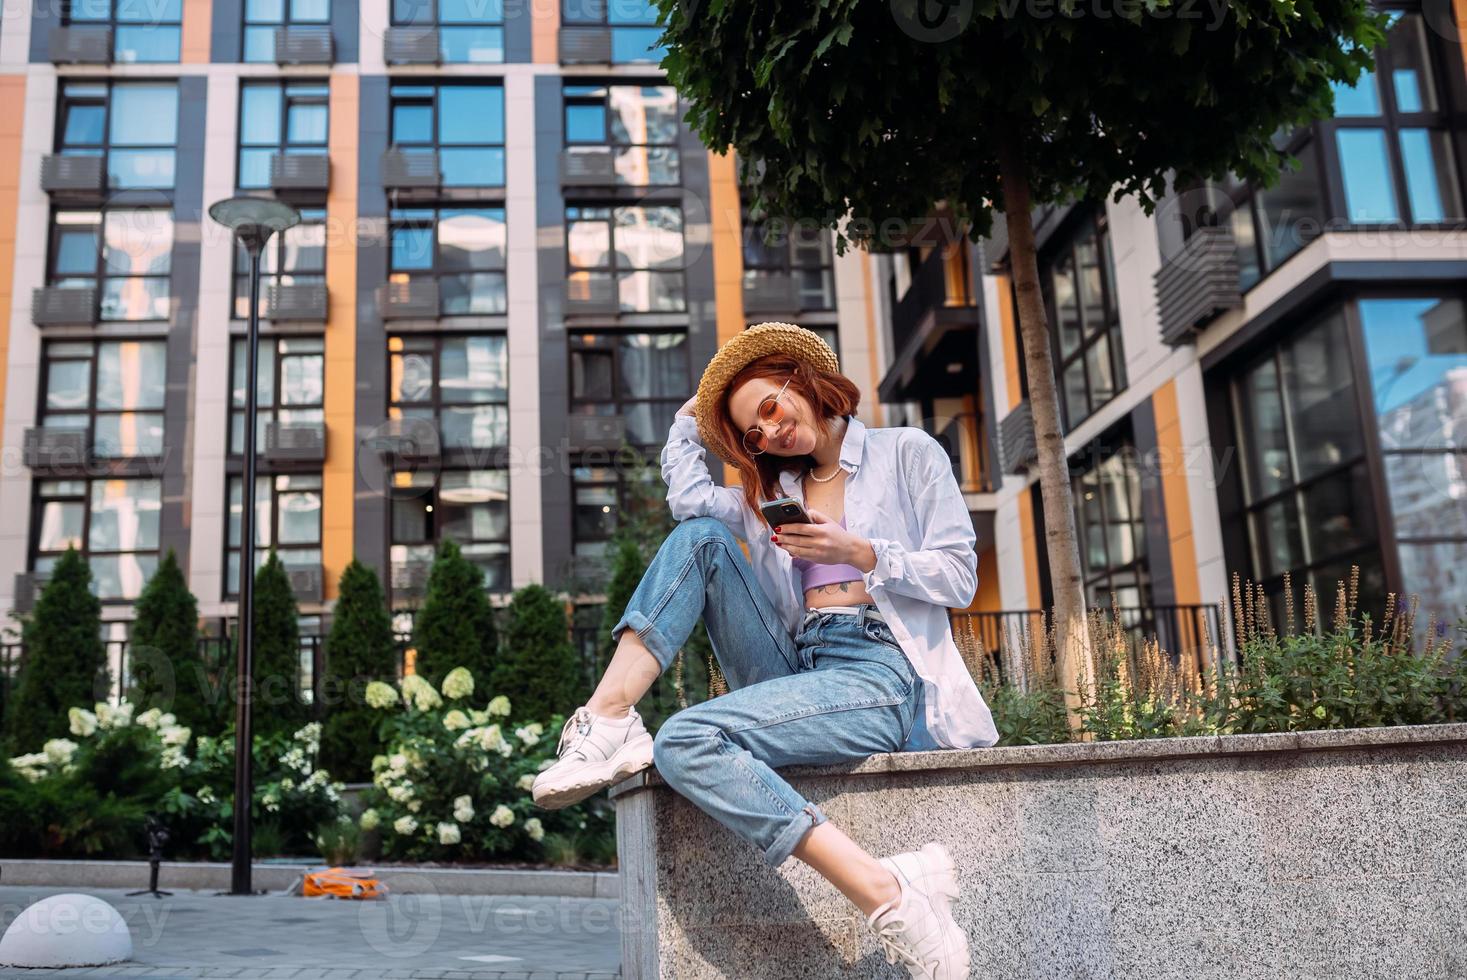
455 626
64 662
361 648
455 781
163 653
278 705
538 668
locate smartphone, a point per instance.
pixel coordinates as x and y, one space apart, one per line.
785 510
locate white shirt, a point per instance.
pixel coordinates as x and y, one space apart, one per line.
902 497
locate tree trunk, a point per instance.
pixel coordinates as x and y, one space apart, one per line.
1072 634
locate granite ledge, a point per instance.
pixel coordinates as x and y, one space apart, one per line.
1093 753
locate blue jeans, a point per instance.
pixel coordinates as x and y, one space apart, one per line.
840 690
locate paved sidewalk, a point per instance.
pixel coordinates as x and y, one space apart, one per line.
406 937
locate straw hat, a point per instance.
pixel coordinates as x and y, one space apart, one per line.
754 343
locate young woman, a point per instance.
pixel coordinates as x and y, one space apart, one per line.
835 641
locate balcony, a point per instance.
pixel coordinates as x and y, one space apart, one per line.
966 443
74 178
406 440
405 171
1198 284
412 46
305 582
305 172
64 306
770 292
409 299
90 45
591 294
296 45
55 448
934 331
296 302
28 589
587 166
410 579
295 442
585 45
595 432
1016 447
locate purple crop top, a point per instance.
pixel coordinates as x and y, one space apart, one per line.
813 574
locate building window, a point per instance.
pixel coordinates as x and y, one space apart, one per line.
287 519
798 253
113 522
637 123
133 125
468 506
141 32
1417 351
459 382
463 123
1391 135
113 389
604 495
632 253
469 31
125 254
633 26
1111 527
1085 327
295 257
277 118
290 390
462 249
262 17
1305 505
640 377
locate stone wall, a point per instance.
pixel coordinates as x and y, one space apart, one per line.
1318 855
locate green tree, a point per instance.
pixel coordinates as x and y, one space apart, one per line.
361 648
163 653
865 112
538 669
278 705
455 626
65 664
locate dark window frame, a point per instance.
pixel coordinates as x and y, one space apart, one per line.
1067 246
100 275
39 500
275 254
287 19
578 93
104 148
91 411
403 92
574 344
435 536
234 452
454 457
615 270
752 230
234 551
111 21
436 270
283 145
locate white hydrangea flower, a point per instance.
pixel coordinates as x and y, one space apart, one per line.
414 806
206 795
535 829
529 734
379 695
478 716
379 762
149 718
506 748
463 808
502 816
405 825
499 706
270 802
58 751
287 784
448 833
456 721
526 782
458 684
110 717
83 722
490 738
420 693
370 819
400 793
32 766
309 737
173 758
177 735
397 762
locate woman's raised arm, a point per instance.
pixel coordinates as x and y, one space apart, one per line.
691 491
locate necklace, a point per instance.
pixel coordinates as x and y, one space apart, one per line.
824 479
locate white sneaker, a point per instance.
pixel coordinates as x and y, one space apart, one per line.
917 927
594 752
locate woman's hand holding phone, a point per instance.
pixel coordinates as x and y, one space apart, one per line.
825 542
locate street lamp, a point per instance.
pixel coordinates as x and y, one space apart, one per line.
253 220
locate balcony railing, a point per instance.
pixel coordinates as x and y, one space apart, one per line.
295 442
585 45
412 46
300 172
1016 439
587 166
409 299
406 440
1197 284
930 290
770 292
299 45
64 306
76 178
967 446
595 432
81 45
51 448
410 169
296 301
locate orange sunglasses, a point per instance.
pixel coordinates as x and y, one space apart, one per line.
770 411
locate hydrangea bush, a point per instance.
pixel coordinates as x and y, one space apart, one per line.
454 784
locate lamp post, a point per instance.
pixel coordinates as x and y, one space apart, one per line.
253 220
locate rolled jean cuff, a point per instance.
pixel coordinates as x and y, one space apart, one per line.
809 817
647 631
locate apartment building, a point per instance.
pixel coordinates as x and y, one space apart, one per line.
1260 381
513 257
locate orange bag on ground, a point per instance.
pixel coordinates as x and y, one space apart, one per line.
342 883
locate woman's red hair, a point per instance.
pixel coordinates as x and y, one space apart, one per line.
830 394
